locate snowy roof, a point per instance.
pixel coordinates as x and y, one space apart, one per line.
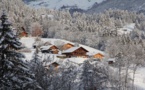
45 47
69 43
95 52
72 49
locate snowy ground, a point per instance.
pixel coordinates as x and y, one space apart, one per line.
140 79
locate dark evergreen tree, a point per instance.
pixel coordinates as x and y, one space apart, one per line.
14 72
41 73
87 76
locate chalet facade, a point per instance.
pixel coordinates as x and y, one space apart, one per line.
75 52
67 46
49 49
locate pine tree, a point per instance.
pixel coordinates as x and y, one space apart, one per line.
38 68
14 72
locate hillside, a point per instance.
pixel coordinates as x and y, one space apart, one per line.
118 33
90 6
130 5
57 4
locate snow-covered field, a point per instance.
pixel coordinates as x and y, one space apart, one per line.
57 4
28 42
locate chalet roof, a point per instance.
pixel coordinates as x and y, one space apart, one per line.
46 47
72 49
69 43
47 43
37 43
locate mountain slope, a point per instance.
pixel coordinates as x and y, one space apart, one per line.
57 4
131 5
90 6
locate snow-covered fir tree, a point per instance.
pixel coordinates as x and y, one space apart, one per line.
14 72
38 68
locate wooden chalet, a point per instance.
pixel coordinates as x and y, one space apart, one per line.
49 49
75 52
98 56
67 46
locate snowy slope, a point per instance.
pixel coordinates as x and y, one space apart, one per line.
57 4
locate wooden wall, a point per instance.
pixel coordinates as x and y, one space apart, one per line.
98 55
